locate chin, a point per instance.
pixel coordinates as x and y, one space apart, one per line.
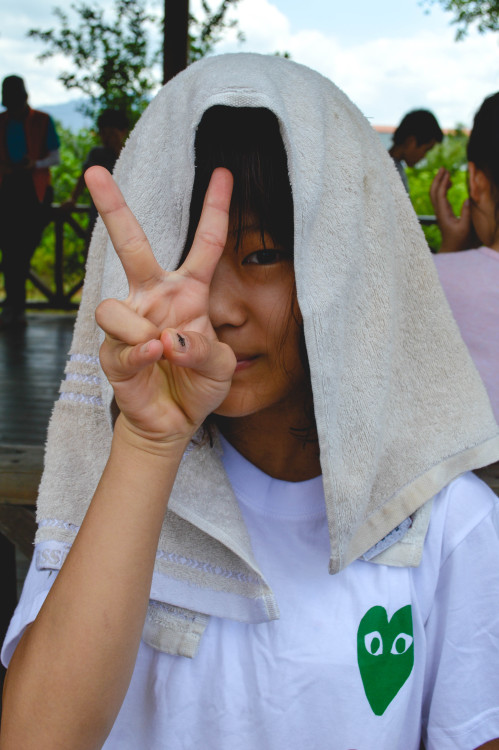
233 409
240 404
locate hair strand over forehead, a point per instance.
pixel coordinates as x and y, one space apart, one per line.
247 141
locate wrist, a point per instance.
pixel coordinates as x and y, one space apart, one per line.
164 447
451 247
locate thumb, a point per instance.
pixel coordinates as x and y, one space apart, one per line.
207 356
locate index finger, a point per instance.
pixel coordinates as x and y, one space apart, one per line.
211 233
127 236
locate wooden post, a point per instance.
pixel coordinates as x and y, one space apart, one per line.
59 258
175 40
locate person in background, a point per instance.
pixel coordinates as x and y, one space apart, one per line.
29 145
471 279
417 133
113 127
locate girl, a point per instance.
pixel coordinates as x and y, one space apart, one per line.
286 394
471 280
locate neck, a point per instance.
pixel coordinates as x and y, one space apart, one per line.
495 231
18 113
267 440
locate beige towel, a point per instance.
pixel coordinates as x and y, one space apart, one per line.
400 408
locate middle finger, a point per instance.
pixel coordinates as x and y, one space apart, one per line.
211 233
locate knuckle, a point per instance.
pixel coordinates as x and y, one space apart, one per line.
212 239
133 244
203 349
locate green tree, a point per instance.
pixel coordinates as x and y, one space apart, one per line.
114 62
467 13
73 150
206 31
451 154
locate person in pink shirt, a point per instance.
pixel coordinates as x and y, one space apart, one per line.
471 279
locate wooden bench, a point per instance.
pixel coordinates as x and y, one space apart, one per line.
20 472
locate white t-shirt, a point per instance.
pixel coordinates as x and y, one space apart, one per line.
367 659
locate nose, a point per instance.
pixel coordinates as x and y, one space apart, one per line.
227 305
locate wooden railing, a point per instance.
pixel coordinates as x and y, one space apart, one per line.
56 298
427 221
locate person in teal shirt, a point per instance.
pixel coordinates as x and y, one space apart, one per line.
29 145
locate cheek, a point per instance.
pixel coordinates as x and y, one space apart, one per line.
287 347
280 317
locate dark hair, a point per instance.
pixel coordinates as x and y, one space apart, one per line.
483 144
13 91
113 118
420 123
247 141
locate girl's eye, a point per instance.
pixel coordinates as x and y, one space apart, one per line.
265 257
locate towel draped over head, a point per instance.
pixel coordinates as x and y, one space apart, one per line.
399 406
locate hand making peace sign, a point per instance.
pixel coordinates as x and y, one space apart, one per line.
161 354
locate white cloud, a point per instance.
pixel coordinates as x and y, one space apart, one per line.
18 56
385 77
19 53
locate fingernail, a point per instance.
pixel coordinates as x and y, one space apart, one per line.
180 343
145 347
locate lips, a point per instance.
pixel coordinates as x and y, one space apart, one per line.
244 361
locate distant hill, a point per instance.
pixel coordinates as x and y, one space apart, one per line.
68 115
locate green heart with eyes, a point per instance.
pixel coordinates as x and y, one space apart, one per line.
385 652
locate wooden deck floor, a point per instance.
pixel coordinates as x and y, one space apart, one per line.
31 367
32 364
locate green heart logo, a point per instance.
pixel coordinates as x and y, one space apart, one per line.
385 652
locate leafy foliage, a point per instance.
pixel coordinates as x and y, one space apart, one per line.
485 15
205 32
74 149
114 64
451 154
113 59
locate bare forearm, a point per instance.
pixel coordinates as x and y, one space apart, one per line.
71 670
88 631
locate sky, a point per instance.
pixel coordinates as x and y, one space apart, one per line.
389 56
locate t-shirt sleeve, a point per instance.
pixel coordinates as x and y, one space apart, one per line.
461 710
36 587
53 142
